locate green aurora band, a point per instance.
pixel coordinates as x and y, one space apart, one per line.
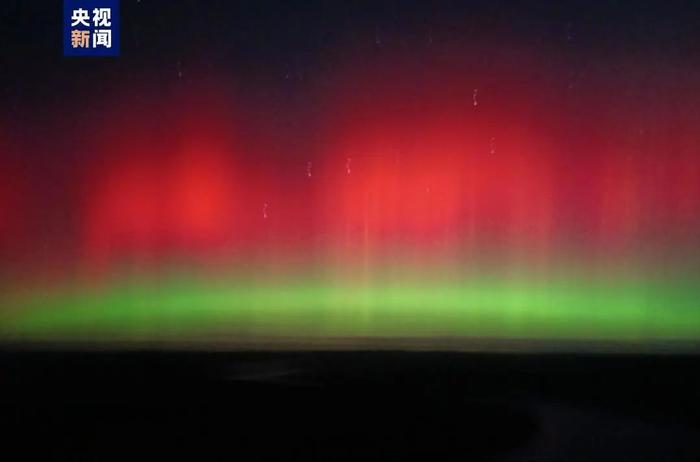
523 306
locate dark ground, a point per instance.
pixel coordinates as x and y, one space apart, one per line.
350 406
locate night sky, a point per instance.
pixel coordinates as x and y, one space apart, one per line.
470 169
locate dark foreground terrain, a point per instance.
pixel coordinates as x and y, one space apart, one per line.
349 406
